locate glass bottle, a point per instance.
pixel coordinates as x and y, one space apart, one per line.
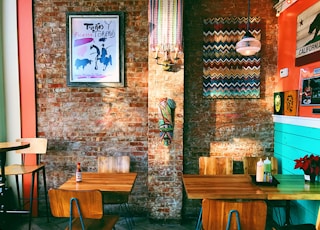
78 173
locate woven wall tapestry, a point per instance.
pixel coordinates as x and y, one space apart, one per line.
226 73
165 24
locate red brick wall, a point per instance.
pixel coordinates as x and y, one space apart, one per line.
165 162
83 123
226 121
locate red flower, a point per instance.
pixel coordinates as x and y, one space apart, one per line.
309 164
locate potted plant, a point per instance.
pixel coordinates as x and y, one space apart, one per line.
310 166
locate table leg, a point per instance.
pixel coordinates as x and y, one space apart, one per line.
3 157
3 205
287 212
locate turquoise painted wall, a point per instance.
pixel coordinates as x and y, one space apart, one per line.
292 142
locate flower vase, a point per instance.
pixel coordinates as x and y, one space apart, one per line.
310 178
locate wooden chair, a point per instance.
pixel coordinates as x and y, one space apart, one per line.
83 207
38 146
117 164
250 165
213 165
216 214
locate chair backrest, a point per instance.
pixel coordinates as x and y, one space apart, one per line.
215 165
37 146
252 213
90 202
250 165
114 164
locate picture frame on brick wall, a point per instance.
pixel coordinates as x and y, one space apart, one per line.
308 37
95 49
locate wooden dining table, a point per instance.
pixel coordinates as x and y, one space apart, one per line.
4 148
105 182
290 187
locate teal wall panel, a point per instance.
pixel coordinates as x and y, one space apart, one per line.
292 142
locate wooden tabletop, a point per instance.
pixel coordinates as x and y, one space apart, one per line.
291 187
9 146
105 182
221 187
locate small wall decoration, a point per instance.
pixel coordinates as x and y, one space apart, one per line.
95 49
166 109
278 103
227 74
308 36
310 91
290 103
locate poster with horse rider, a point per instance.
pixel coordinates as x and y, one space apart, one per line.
95 49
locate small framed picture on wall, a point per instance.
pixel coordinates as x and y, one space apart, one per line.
95 49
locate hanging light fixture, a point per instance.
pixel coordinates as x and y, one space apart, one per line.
248 45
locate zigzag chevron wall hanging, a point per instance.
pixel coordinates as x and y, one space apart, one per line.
227 74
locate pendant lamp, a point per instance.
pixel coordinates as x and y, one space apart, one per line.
248 45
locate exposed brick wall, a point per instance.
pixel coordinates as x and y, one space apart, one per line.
165 162
83 123
226 122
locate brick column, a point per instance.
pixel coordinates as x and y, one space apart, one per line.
165 163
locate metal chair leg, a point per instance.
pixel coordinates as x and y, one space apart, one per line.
127 217
230 217
199 222
18 191
45 192
130 214
31 199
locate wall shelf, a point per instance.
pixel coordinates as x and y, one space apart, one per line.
295 120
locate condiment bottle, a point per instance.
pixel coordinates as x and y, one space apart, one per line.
78 173
267 169
260 171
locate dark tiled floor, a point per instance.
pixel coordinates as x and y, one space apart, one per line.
40 223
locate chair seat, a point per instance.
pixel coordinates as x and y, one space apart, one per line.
106 223
17 169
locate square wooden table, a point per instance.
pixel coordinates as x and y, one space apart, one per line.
105 182
291 187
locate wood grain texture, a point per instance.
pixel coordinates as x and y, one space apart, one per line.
91 208
221 187
105 182
8 146
250 165
291 187
215 165
252 214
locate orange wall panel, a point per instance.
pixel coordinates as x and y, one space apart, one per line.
27 83
287 49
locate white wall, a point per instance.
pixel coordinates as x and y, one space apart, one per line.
11 76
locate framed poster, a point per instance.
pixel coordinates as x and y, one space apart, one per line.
290 103
95 49
308 36
310 91
278 103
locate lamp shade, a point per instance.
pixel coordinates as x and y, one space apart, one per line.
248 45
